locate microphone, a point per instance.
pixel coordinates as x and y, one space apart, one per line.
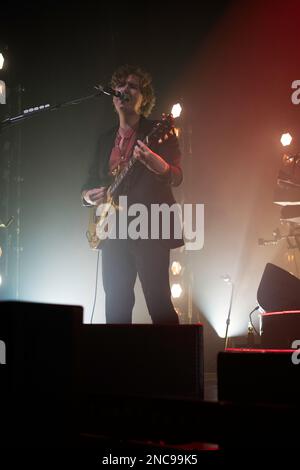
111 92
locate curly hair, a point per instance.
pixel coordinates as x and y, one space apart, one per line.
120 75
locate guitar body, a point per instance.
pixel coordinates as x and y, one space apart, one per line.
91 233
98 228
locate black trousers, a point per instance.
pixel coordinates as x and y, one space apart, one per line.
122 261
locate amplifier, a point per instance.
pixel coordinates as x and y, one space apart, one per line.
144 360
280 329
258 376
38 341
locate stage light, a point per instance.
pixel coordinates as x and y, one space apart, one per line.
286 139
176 291
176 110
0 280
176 268
1 60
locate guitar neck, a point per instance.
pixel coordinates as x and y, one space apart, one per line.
118 180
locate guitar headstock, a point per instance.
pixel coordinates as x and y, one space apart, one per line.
167 120
162 129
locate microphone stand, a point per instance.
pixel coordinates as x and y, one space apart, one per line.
34 110
7 224
228 281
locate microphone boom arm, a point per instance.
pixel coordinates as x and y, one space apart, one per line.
34 110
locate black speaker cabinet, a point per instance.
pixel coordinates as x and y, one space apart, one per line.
38 375
144 360
38 341
258 376
280 329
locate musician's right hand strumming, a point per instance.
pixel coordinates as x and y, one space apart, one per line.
95 196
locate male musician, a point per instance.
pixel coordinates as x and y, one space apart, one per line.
155 172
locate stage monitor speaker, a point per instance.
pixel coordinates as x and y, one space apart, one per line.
38 375
278 290
38 342
258 376
280 329
144 360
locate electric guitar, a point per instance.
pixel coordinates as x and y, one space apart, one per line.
98 214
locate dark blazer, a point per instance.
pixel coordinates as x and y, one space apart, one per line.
142 185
